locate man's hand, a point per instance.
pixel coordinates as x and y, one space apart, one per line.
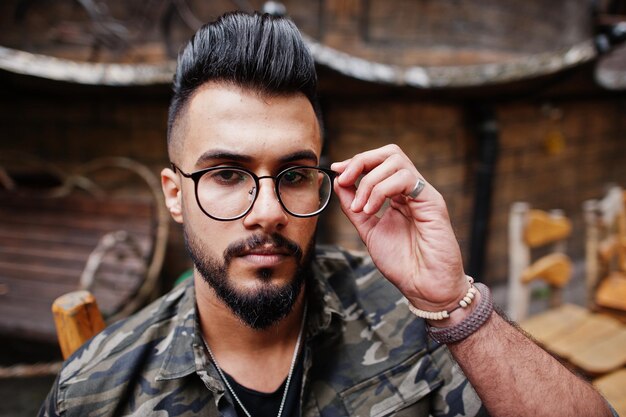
412 242
413 245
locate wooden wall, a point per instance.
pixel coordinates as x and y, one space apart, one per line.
69 125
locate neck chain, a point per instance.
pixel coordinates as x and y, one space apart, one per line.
291 369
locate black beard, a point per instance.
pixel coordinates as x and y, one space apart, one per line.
269 304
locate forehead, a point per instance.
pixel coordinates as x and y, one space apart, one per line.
239 121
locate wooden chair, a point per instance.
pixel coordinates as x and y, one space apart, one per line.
593 343
102 228
77 319
605 221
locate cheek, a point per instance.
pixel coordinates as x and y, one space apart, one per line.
303 230
213 235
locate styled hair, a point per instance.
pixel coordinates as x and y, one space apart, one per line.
260 52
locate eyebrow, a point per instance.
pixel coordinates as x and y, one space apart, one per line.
222 155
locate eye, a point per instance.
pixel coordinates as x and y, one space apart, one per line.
296 177
228 176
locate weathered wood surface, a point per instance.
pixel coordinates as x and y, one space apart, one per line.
410 43
44 246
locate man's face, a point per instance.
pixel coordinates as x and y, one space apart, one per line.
257 264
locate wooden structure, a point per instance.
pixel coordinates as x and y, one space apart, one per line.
592 343
528 230
77 235
428 45
77 319
606 252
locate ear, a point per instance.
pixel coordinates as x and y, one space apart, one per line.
172 193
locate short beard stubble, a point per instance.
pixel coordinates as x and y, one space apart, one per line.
266 306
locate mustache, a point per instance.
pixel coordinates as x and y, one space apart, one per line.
276 240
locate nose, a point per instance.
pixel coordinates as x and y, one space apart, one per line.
267 212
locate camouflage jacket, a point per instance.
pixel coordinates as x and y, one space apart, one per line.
365 355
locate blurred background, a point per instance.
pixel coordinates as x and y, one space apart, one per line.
495 101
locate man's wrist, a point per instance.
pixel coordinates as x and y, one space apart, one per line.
464 303
470 324
458 315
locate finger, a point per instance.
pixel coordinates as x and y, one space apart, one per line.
339 166
362 222
366 161
387 168
395 185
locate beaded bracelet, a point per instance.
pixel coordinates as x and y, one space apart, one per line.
444 314
469 325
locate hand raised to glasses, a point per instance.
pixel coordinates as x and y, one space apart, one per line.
412 243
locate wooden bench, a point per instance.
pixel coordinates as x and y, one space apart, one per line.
79 235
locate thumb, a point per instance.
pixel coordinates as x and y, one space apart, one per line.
362 221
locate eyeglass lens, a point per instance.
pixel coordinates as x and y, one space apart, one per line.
228 193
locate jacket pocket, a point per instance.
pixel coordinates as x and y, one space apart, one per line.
397 388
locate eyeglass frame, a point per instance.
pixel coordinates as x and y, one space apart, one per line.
196 175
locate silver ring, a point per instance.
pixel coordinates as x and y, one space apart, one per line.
419 186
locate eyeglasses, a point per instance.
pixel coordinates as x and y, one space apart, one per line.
228 193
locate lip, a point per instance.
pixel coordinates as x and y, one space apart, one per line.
265 257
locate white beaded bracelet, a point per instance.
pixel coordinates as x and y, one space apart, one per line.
444 314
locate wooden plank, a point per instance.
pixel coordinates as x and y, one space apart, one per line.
611 292
554 323
73 225
51 271
32 321
137 212
42 239
74 253
31 310
77 319
555 269
604 356
31 318
19 263
590 331
75 204
542 228
613 388
31 290
22 259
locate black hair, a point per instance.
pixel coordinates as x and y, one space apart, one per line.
260 52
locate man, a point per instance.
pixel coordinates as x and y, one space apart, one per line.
270 325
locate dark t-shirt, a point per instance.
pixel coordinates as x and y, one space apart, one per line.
261 404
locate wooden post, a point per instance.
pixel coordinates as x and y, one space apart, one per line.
519 259
621 235
77 319
590 208
556 292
